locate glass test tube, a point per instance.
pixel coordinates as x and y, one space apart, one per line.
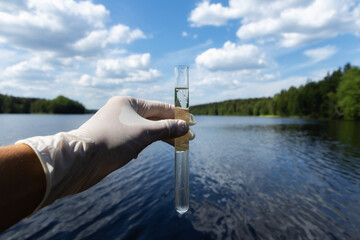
182 143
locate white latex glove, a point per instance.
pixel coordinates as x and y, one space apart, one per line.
76 160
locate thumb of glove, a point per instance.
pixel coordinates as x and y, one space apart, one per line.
166 129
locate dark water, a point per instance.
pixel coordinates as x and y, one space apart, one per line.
250 178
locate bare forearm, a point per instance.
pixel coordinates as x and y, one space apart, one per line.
22 183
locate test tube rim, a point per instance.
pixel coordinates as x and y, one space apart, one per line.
176 69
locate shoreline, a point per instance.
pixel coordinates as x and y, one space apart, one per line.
279 116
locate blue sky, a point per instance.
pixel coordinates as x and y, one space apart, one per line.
92 50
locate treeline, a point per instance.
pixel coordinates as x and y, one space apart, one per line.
336 96
61 104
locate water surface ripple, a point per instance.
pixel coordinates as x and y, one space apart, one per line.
250 178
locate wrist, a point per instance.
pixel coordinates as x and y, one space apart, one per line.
64 157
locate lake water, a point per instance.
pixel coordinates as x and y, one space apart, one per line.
250 178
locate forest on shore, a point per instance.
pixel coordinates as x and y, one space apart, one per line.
61 104
336 96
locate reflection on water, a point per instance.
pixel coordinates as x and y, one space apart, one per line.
250 178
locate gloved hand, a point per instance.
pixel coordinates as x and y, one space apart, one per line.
76 160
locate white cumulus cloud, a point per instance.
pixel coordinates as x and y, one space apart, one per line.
232 57
128 69
32 69
216 14
292 23
213 14
98 39
296 26
53 47
66 28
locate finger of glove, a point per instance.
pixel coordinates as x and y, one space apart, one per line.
154 109
167 129
191 134
192 120
171 141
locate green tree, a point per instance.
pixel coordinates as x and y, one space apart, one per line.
256 109
292 102
1 102
7 106
316 99
10 104
347 67
41 106
348 94
62 104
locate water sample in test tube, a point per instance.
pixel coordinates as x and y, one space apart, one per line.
182 143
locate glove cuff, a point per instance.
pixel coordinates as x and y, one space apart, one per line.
62 156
